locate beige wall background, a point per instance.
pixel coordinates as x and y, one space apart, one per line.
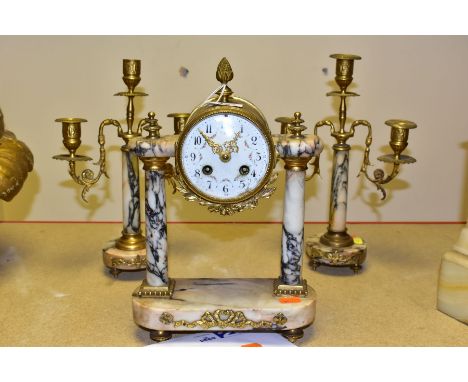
420 78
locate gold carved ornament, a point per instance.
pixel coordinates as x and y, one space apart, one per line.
16 160
139 261
225 318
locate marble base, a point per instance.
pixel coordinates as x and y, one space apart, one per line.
462 243
321 254
118 260
452 291
224 304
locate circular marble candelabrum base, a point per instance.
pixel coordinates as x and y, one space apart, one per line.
321 254
200 305
118 260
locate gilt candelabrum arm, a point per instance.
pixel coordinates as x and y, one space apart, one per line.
379 175
324 123
316 161
87 179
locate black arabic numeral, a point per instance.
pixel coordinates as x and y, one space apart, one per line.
193 156
208 129
226 188
254 140
197 173
198 140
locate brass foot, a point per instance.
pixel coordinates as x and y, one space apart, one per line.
314 264
293 335
160 335
115 272
356 268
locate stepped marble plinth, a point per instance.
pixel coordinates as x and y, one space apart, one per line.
320 254
224 304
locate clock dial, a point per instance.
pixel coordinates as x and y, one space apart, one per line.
225 156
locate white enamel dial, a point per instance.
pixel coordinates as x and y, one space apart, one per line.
225 156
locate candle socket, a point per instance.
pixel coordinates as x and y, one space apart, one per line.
179 121
344 69
286 123
131 73
399 134
71 133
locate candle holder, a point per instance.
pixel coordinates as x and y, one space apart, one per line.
336 247
127 252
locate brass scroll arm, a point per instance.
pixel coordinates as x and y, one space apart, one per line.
316 168
71 134
379 174
398 142
316 163
324 123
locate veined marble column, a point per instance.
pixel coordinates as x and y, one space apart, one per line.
156 226
296 150
293 228
130 193
339 192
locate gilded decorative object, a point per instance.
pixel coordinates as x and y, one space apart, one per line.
231 208
398 142
336 236
281 289
293 335
225 319
285 124
160 335
138 261
16 161
146 290
180 119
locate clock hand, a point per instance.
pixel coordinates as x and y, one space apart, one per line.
231 146
217 149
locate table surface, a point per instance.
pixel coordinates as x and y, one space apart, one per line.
55 290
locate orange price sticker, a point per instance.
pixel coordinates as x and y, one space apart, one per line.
358 240
252 345
289 300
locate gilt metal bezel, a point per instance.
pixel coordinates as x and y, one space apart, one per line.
248 199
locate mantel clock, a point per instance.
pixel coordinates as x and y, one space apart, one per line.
225 157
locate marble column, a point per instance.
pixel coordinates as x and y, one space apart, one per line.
130 193
156 228
293 228
339 192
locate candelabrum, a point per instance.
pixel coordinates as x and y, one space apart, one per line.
336 247
128 252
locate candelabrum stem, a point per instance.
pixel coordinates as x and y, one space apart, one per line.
130 114
342 114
